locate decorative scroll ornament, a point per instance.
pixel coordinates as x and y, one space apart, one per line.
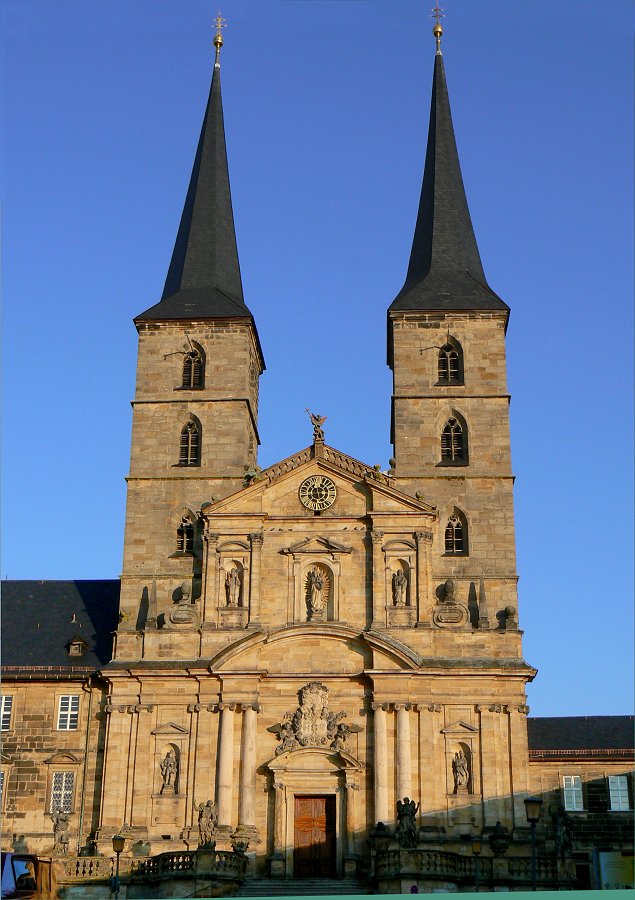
450 611
312 725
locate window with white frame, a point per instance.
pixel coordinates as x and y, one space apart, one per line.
618 792
5 712
62 787
572 791
68 712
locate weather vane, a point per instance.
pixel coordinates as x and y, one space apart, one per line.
218 42
437 14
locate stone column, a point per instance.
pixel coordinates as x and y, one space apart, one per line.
210 598
256 540
381 763
379 592
404 764
350 856
247 797
425 599
225 765
277 864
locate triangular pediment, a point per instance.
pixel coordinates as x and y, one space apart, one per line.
459 727
170 728
318 544
372 487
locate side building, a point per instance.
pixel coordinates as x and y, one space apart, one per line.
327 655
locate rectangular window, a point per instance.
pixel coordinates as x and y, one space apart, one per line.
62 792
5 713
1 788
68 713
572 790
618 792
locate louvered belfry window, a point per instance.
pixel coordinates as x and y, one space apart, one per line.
452 443
185 536
190 445
193 369
454 537
449 368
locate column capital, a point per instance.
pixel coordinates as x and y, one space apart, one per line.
383 706
256 538
246 706
424 536
434 708
194 707
212 537
231 706
376 535
523 710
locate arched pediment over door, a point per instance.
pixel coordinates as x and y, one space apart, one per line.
331 781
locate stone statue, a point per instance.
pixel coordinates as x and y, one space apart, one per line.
316 600
184 612
169 768
461 771
60 830
562 831
449 591
406 832
207 822
399 586
233 585
317 421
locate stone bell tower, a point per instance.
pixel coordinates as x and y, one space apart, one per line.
450 405
194 431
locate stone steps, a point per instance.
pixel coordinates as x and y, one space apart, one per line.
301 887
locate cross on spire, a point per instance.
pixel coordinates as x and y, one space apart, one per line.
437 14
218 42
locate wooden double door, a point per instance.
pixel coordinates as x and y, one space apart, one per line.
314 846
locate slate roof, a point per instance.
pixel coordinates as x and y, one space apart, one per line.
204 280
37 622
445 270
581 733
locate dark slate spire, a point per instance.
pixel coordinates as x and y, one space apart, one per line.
445 270
203 280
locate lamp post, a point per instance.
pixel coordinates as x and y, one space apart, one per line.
533 805
118 843
477 846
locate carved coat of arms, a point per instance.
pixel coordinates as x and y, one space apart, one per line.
312 725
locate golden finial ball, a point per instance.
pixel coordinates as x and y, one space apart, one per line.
437 31
218 40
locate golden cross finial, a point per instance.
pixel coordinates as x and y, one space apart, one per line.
438 14
218 42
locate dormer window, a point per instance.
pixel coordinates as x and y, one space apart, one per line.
77 647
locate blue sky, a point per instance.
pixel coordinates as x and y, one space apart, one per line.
326 109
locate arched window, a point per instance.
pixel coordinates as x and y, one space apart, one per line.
193 369
456 535
454 442
450 363
185 536
190 445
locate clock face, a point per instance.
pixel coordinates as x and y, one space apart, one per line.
317 492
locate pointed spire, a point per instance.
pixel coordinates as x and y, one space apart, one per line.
203 279
445 270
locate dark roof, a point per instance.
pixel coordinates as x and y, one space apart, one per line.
203 280
581 733
40 618
445 270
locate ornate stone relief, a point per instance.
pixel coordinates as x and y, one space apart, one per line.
184 613
449 612
312 725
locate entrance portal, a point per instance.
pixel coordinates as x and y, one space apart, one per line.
314 837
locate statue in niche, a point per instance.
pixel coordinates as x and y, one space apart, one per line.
60 830
399 587
316 600
169 769
233 586
461 771
207 822
406 832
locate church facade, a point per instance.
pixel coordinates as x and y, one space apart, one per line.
304 651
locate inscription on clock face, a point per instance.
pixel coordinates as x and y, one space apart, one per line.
317 492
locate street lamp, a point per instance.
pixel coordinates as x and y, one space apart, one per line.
533 805
118 843
477 846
